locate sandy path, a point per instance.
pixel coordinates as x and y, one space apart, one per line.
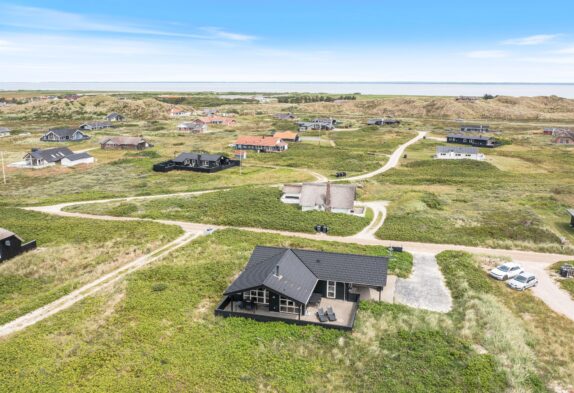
89 289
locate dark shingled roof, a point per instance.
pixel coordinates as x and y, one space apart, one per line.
299 271
197 156
51 155
78 156
478 138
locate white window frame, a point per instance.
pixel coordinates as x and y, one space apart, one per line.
331 289
259 296
288 306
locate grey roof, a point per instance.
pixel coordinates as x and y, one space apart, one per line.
97 124
78 156
299 271
62 132
457 149
315 194
571 211
482 138
5 234
198 156
50 155
292 188
123 140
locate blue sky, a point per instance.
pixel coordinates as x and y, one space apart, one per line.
486 41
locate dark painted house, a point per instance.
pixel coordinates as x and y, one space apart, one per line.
571 212
64 135
382 122
95 125
197 162
475 128
479 141
293 285
11 245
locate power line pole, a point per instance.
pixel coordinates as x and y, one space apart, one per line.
3 170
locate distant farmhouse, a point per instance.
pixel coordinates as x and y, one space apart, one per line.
458 153
178 112
479 141
222 120
555 131
197 162
64 135
284 116
263 144
114 116
42 158
382 122
5 131
317 124
95 125
334 198
304 287
475 128
564 137
194 127
124 143
289 136
12 245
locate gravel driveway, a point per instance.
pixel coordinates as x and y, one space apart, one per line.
425 288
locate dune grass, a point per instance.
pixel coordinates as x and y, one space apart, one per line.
169 339
258 207
70 253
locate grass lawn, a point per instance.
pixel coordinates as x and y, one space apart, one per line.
70 252
135 338
246 206
472 203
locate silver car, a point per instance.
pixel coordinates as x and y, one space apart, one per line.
523 281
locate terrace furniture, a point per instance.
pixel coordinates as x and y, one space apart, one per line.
321 315
330 314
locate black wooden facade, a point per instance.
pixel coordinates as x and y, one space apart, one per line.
197 162
478 141
12 246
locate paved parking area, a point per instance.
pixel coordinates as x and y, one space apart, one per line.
425 288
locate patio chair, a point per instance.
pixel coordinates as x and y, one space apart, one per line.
330 314
321 315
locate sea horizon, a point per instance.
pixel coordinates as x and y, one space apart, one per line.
527 89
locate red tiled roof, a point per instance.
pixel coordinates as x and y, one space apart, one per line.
259 141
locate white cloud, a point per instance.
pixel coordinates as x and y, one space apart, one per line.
47 19
487 54
531 40
217 32
565 51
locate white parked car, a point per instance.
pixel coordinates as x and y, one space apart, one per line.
506 271
523 281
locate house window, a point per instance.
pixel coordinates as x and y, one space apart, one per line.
288 306
260 296
331 289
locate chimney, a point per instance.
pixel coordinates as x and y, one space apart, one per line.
277 270
35 149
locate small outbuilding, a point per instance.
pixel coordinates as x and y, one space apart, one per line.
114 116
77 159
571 212
95 125
11 245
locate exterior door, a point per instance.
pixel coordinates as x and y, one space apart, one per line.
273 302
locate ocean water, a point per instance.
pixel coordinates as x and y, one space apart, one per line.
565 90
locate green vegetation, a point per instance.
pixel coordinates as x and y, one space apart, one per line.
530 342
301 99
241 207
204 100
70 252
170 339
